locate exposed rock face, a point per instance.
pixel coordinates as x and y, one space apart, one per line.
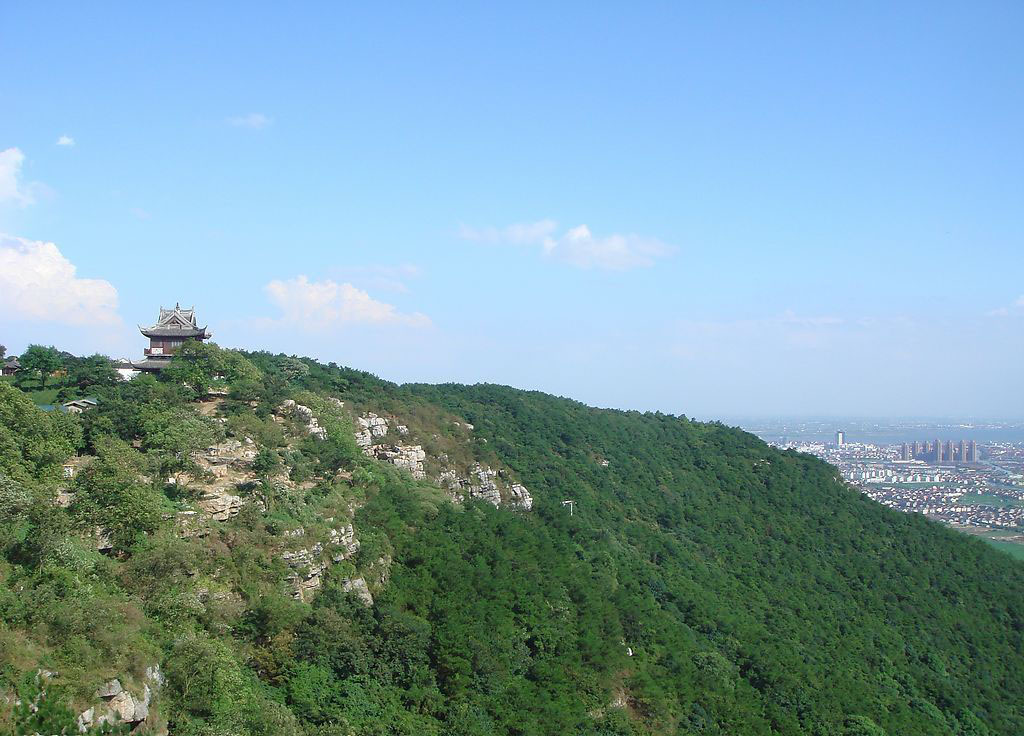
155 676
483 485
307 570
110 689
130 708
480 481
305 415
119 704
378 426
521 497
230 452
346 539
409 457
308 565
103 540
371 426
359 587
220 504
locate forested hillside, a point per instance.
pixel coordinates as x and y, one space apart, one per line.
260 544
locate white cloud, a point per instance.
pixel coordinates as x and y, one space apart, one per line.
527 233
577 246
384 277
65 140
321 305
1006 311
11 188
254 120
38 283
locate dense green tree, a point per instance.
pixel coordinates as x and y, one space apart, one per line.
111 495
172 435
292 369
33 444
91 372
197 364
40 361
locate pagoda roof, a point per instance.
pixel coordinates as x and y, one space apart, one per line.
157 331
175 322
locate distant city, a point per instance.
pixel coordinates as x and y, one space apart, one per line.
974 482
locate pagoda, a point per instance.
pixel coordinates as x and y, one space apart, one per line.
173 327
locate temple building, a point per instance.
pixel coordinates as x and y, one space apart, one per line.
173 327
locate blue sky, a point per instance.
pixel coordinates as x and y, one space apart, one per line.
756 209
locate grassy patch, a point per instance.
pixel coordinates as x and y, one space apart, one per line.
39 397
1011 548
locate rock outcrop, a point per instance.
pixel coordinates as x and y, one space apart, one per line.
483 484
305 415
371 427
220 504
345 538
359 588
520 496
407 457
239 453
119 705
479 481
309 564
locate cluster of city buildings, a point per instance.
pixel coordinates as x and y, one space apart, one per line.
945 480
939 452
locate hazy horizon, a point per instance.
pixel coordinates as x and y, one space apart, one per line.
752 211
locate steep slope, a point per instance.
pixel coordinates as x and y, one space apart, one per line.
825 604
263 544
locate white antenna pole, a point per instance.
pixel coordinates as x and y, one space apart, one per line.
569 503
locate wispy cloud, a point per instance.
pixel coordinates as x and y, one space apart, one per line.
392 278
38 283
327 304
577 246
786 331
1016 307
12 189
65 140
253 120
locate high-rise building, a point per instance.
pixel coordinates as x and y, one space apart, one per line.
972 452
840 438
937 449
963 452
905 452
